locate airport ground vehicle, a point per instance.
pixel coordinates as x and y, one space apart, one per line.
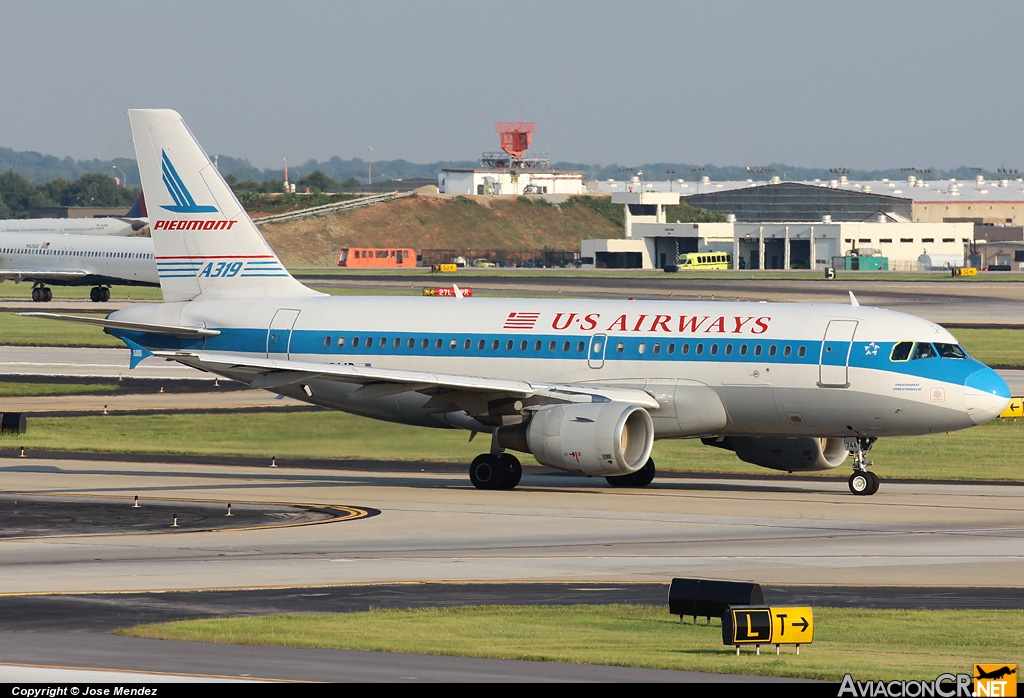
705 260
377 257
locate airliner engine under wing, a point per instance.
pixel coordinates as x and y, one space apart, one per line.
99 261
586 386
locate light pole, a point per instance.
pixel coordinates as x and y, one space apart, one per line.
124 180
369 168
670 174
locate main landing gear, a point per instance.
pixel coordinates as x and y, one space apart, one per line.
99 294
495 472
641 478
41 294
862 482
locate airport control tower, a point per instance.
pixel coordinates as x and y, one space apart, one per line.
515 141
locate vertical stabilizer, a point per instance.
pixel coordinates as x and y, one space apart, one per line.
206 245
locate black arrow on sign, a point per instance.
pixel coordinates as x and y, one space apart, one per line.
803 626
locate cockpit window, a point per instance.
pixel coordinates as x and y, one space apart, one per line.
950 351
924 350
901 352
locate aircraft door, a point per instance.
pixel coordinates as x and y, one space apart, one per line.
279 335
833 366
595 357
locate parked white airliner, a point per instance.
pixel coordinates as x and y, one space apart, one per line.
99 261
584 385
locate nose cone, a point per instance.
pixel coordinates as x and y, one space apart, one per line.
986 395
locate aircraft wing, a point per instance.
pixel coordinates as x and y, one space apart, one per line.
171 330
462 391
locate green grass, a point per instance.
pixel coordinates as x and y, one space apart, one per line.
1001 348
989 452
38 332
869 644
18 389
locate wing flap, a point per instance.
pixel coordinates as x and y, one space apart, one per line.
150 328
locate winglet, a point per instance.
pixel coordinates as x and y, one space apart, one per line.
457 290
853 300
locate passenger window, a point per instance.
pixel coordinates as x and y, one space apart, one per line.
522 345
642 348
537 345
923 350
801 352
397 342
355 342
685 349
771 350
728 349
757 350
671 347
565 346
901 352
327 342
494 345
369 342
467 344
509 344
424 343
743 350
411 343
453 344
619 348
481 344
552 344
699 349
657 348
787 351
383 342
439 343
581 347
714 349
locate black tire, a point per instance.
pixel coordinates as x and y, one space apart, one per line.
874 483
488 472
640 478
860 483
104 294
515 471
94 294
37 295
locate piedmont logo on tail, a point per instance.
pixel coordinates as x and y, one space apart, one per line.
585 386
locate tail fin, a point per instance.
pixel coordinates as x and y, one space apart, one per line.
206 245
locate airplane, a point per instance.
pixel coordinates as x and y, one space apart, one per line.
99 261
585 386
132 223
995 674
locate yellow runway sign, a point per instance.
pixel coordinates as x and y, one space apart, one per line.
763 625
1015 408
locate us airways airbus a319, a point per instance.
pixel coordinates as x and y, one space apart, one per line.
586 386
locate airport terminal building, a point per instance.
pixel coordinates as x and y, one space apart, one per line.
790 230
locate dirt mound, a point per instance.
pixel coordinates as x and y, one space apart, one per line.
428 222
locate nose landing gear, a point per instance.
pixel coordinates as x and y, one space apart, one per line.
862 482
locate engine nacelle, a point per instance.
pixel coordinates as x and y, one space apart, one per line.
781 453
609 438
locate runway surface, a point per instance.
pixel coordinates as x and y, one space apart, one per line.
555 539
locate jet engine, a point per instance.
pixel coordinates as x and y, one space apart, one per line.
610 438
781 453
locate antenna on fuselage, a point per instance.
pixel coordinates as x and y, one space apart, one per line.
853 300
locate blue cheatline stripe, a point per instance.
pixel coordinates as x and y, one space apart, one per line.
311 343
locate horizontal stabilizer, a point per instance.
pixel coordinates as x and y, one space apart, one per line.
168 330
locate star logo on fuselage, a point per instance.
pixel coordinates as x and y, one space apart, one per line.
871 349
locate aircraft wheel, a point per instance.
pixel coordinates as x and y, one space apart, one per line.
37 295
104 294
515 471
861 483
47 295
488 472
641 478
94 294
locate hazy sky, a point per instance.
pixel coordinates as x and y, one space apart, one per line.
869 84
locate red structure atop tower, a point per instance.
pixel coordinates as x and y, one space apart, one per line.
515 136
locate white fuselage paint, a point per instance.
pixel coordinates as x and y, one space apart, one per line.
779 369
73 260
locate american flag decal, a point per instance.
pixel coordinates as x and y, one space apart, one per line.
521 321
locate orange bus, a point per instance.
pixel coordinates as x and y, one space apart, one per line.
366 257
